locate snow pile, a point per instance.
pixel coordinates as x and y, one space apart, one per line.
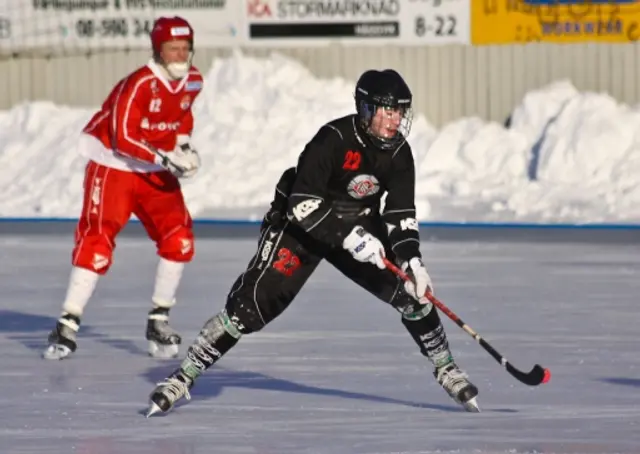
566 156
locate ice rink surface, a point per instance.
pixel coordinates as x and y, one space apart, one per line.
336 373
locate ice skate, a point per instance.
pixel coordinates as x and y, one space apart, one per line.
168 392
164 341
456 383
62 340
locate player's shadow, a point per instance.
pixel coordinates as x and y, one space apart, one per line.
217 379
623 381
31 330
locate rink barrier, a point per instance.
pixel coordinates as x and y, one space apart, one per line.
455 231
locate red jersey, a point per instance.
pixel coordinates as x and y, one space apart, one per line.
146 110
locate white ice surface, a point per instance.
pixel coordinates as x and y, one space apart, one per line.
567 157
336 373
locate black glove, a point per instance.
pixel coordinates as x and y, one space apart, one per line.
273 218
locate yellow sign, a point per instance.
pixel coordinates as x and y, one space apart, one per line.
559 21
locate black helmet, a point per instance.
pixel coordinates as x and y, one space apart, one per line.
386 89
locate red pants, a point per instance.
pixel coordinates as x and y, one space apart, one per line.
111 196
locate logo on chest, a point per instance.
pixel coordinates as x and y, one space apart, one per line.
362 186
161 126
185 102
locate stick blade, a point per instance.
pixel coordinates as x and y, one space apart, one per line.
537 376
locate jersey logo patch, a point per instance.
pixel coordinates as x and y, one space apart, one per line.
193 86
409 224
362 186
185 102
352 160
305 208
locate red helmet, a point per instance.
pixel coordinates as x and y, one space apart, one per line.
169 29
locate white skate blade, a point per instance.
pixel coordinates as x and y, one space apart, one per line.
471 405
163 351
56 352
153 409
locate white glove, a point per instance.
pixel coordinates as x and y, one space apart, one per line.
420 279
183 161
364 247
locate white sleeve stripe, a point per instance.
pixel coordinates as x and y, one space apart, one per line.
412 210
125 117
313 196
97 121
404 241
281 192
114 123
336 130
319 221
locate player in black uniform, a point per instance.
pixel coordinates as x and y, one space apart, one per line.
329 207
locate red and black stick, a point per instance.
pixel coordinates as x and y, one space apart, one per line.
536 376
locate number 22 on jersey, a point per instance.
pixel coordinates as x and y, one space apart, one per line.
352 160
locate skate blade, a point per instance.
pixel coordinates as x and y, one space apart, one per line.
56 352
471 405
163 351
153 409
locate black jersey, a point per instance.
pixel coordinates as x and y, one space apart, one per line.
340 176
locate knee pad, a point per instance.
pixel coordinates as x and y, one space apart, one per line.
94 253
177 247
219 326
243 314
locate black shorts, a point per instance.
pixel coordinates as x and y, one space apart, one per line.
287 257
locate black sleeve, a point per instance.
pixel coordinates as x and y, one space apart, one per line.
308 207
400 209
276 216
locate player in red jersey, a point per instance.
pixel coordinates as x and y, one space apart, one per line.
138 147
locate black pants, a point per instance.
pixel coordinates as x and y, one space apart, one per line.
287 257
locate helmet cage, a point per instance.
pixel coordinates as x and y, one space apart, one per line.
367 107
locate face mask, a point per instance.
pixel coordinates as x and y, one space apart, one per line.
178 70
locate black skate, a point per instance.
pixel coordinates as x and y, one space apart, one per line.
168 392
164 342
62 340
457 385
